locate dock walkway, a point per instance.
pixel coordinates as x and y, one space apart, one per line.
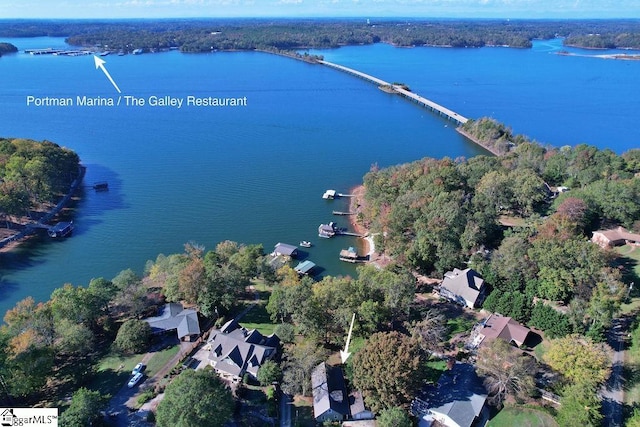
420 100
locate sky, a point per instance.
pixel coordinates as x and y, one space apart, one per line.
514 9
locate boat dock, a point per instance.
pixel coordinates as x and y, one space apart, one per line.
343 213
333 194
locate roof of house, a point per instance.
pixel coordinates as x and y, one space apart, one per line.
617 234
465 283
174 316
285 249
505 328
237 350
329 390
459 394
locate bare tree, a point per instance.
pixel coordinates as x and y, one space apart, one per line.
507 371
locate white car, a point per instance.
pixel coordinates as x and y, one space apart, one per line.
134 380
139 368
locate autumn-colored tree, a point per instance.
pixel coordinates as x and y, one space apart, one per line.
388 370
578 358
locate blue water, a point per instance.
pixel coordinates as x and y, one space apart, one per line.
554 99
256 174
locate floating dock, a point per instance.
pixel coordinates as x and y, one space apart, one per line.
343 213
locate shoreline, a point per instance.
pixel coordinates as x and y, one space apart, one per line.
12 242
356 205
477 142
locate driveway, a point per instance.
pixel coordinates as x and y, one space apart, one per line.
613 391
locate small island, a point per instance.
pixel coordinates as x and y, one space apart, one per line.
7 48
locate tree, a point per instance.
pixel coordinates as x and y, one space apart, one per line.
299 363
580 406
195 398
74 338
394 417
430 331
578 359
507 371
269 372
388 370
84 409
133 336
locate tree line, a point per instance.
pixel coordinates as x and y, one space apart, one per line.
282 34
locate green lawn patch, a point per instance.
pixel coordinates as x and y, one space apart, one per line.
434 369
630 260
114 370
522 417
458 325
160 358
258 318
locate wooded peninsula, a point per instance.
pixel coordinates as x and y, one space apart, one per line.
206 35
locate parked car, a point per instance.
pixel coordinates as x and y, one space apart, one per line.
135 380
139 368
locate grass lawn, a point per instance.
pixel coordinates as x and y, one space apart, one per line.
458 325
258 318
434 369
630 259
114 370
522 417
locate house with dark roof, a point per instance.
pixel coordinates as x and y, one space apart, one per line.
174 317
504 328
615 237
465 287
236 351
330 400
457 400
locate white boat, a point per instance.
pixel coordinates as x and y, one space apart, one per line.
305 244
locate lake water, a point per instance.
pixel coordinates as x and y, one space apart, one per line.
256 174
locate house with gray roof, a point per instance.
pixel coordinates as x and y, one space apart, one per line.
236 351
330 399
174 317
458 399
466 287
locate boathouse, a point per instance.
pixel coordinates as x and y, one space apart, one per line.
304 267
327 230
285 249
349 255
329 194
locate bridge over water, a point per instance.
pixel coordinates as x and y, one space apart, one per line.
422 101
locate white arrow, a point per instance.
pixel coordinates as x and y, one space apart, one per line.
344 355
100 64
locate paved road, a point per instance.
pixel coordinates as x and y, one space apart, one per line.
285 410
613 391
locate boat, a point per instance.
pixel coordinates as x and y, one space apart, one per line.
305 244
101 186
61 229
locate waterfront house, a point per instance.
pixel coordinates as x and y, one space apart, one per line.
284 249
615 237
458 399
465 287
174 317
235 351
